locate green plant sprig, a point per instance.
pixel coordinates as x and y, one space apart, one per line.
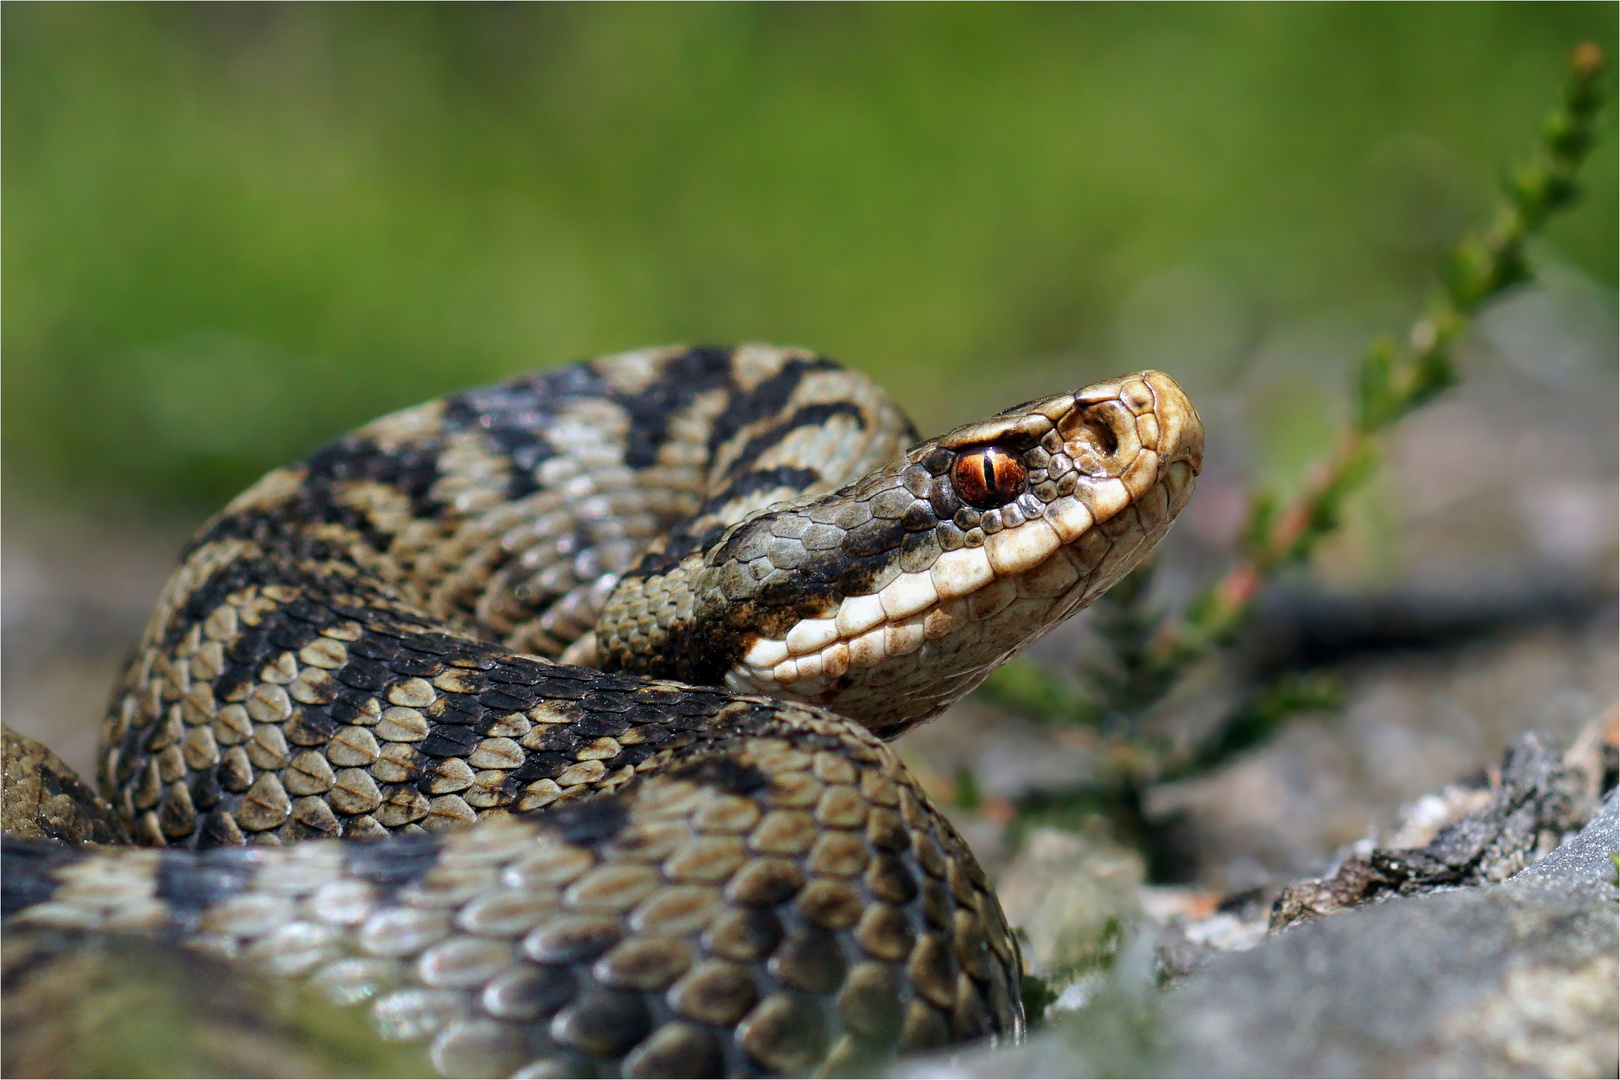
1391 380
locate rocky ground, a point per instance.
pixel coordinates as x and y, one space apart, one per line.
1266 928
1479 607
1510 978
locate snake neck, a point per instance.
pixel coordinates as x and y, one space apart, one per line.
663 625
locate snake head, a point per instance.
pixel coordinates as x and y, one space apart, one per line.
891 598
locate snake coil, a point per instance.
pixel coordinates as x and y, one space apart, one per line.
648 622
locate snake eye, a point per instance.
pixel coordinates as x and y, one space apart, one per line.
987 477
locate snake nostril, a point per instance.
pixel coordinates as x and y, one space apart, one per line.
1102 438
1102 433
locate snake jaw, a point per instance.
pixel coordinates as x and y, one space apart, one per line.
1110 467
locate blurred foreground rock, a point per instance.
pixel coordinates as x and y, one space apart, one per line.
1513 977
1071 896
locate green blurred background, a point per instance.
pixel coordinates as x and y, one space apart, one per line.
233 231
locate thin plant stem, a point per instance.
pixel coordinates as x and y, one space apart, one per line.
1391 380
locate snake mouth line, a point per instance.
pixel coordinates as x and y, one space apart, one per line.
1136 445
963 586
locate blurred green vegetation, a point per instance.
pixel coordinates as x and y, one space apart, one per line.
233 231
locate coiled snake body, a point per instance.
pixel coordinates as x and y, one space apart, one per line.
647 621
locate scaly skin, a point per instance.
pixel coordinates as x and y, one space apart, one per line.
712 881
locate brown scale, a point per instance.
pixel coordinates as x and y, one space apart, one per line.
712 883
782 902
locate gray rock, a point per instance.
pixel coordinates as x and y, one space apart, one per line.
1510 979
1071 896
1516 979
1585 858
1537 801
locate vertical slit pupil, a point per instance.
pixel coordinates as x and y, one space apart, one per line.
987 477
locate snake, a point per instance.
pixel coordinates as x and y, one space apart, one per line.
549 722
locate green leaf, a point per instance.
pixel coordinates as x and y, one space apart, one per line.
1374 394
1038 996
1256 541
969 795
1028 688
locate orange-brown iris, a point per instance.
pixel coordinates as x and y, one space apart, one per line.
987 477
